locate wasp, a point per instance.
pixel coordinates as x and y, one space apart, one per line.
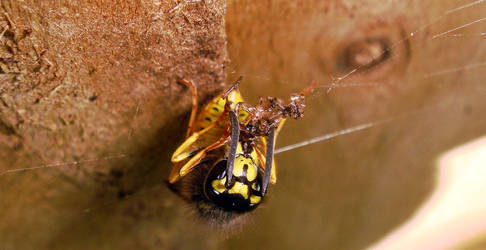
226 164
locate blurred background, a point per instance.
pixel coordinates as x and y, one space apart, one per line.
418 67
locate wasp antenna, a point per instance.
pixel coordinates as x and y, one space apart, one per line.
235 134
268 160
233 87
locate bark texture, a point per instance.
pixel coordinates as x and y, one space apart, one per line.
93 84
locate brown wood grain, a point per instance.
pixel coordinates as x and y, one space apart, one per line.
94 84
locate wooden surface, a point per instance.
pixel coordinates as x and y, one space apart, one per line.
351 191
94 84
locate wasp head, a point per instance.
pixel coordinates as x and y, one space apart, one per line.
243 194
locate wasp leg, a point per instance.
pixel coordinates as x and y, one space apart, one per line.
235 134
174 173
194 105
177 172
181 154
199 156
268 160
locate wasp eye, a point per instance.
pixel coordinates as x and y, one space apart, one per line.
242 195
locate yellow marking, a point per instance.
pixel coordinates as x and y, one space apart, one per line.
254 186
273 175
240 162
209 112
239 188
238 168
235 97
251 172
220 101
215 110
255 199
242 115
219 185
239 148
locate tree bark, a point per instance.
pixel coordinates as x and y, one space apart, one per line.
89 90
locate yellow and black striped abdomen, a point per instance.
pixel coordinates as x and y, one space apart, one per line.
215 109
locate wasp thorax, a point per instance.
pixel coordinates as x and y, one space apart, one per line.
242 194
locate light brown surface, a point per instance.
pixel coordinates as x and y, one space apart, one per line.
348 192
341 194
87 82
